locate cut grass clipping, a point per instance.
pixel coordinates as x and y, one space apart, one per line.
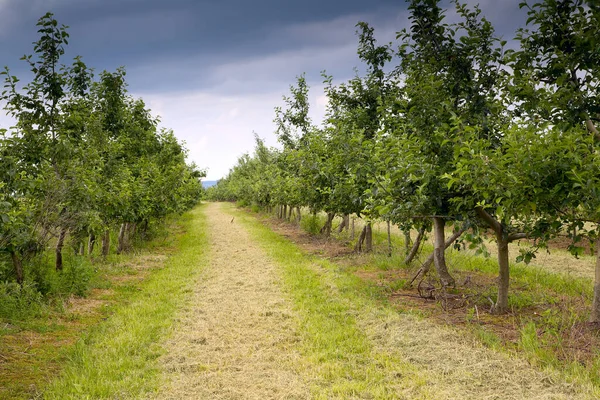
118 358
359 346
340 360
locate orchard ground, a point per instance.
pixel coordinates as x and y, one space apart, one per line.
255 308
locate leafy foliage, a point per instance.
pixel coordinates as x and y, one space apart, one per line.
83 158
458 130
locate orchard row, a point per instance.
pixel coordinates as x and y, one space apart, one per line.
451 125
83 158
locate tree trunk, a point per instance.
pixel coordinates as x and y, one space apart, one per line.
415 247
59 247
121 238
503 240
18 266
407 242
81 246
341 226
424 270
126 236
299 216
284 212
144 229
326 229
290 213
353 230
344 224
368 237
427 264
595 314
439 252
361 238
106 243
91 243
503 276
389 236
130 228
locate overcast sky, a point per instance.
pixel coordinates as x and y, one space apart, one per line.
215 70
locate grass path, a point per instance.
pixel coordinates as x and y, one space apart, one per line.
237 338
245 314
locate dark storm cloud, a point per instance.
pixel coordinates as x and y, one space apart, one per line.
193 38
215 70
110 33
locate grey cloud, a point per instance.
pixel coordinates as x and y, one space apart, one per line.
215 70
116 32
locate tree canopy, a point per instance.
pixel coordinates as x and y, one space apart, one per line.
448 127
82 158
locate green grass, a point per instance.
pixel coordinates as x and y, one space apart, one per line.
37 330
312 223
540 338
487 338
117 359
340 357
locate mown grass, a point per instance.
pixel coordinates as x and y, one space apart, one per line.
340 357
117 358
548 310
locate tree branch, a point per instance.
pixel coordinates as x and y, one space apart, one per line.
491 221
592 128
516 236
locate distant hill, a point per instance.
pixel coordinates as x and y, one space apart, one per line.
207 184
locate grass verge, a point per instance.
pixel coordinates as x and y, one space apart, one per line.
37 329
117 359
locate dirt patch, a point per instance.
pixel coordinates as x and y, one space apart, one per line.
87 306
147 261
90 305
236 338
314 244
